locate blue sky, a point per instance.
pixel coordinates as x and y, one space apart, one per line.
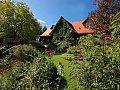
48 11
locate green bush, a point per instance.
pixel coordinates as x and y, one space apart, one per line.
100 66
73 49
37 45
5 81
24 52
38 75
62 46
45 75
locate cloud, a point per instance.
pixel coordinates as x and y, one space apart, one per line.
41 21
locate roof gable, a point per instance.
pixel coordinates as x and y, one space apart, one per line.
60 23
77 27
48 31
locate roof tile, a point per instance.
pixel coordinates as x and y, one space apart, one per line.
80 28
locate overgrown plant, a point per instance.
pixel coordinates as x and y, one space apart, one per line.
24 52
100 66
38 75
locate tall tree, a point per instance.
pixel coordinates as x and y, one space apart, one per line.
100 19
16 21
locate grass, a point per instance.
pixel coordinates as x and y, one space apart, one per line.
69 82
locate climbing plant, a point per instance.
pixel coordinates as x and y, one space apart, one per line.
62 34
62 31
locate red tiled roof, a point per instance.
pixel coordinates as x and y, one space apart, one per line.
47 32
77 26
80 28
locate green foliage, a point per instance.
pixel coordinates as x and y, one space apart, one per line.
46 75
37 45
62 46
67 83
62 35
116 25
5 81
17 21
39 75
43 29
87 44
100 19
24 52
73 49
100 66
62 31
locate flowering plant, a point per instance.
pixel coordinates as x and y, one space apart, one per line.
100 66
48 52
106 39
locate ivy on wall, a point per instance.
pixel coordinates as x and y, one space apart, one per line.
62 31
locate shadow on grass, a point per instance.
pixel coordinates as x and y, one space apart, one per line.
63 83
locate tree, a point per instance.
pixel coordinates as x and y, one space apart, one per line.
43 29
99 20
16 21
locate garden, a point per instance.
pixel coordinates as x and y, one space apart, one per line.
92 62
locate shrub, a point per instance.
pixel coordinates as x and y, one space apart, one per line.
73 49
38 75
5 81
62 46
52 45
100 66
37 45
24 52
45 75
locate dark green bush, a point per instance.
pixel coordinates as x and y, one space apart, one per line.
24 52
38 75
37 45
45 75
100 66
62 46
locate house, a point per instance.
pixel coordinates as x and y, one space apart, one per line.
64 30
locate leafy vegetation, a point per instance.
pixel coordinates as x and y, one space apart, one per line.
73 50
43 29
100 67
115 26
62 35
17 21
41 74
99 20
24 53
68 83
62 30
92 64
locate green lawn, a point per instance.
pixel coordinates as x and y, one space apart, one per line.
70 83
